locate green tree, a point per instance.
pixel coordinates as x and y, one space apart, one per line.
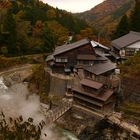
15 7
135 17
49 38
22 29
10 27
122 28
40 81
59 32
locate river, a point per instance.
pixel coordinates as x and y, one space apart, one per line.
14 102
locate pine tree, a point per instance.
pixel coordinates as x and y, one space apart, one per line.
122 28
49 38
10 27
135 17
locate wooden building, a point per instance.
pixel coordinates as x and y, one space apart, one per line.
93 95
100 49
102 72
66 57
97 86
126 46
94 83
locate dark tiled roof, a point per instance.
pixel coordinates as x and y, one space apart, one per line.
101 58
68 47
86 57
88 100
104 96
126 40
91 57
100 68
91 83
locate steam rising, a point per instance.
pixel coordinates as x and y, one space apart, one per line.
16 101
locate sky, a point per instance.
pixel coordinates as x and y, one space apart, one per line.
73 5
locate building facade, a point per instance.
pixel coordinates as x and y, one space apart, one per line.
94 85
126 46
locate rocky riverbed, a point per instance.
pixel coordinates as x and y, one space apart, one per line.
76 121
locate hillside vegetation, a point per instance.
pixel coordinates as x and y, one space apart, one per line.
106 15
30 26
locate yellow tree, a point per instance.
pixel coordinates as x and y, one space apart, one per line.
51 14
87 32
60 32
37 30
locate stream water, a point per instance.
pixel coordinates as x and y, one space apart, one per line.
14 102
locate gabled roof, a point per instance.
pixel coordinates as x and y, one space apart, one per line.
91 83
101 68
68 47
126 40
97 44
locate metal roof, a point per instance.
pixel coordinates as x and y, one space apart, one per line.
91 83
126 40
100 68
97 44
68 47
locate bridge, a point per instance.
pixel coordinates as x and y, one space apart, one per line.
113 118
56 113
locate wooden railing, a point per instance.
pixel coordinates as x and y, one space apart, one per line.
56 113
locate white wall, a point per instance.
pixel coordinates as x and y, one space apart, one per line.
135 45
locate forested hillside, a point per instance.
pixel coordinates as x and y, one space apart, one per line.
106 15
128 23
30 26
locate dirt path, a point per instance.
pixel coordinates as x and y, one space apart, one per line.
18 68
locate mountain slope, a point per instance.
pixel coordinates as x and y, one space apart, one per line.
107 14
31 26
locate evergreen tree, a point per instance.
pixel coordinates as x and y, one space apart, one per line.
10 27
49 38
135 17
122 28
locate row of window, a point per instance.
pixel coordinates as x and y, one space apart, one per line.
128 52
65 60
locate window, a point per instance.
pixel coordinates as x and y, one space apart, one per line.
64 60
61 60
130 51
